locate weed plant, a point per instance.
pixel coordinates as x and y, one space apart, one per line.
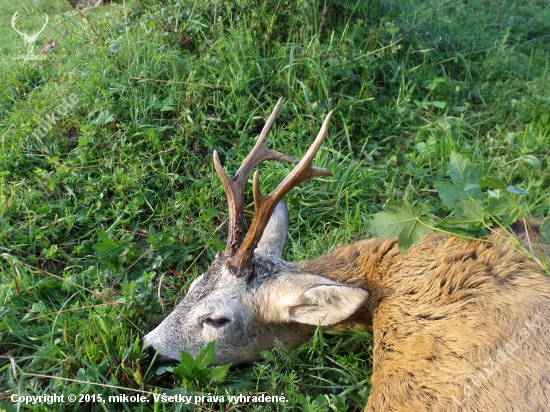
110 205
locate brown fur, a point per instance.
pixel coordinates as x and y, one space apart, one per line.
458 326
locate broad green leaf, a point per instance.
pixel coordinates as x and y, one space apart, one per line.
449 193
218 373
202 376
435 81
532 161
104 118
412 232
104 237
503 209
516 190
462 172
163 369
106 244
165 106
471 210
463 222
205 356
491 183
461 227
125 240
187 361
438 104
196 371
402 220
104 247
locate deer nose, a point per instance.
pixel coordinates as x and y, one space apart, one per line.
150 351
160 359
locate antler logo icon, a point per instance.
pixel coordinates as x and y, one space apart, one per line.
29 40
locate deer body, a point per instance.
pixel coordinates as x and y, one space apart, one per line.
457 325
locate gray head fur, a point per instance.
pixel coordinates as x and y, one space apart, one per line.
244 315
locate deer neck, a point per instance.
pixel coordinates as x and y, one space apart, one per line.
367 263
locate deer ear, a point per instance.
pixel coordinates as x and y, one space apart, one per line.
273 238
311 300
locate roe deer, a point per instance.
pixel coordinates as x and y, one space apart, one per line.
457 325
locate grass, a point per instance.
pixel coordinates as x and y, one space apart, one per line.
126 164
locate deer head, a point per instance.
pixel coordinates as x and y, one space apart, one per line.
29 40
250 296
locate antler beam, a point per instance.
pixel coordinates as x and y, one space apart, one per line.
234 186
241 264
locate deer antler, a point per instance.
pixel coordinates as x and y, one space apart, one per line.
44 26
13 19
240 260
234 186
29 40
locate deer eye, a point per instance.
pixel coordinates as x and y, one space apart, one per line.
217 322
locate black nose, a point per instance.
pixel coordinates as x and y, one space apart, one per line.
150 351
160 358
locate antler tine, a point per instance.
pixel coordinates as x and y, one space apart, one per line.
260 152
45 24
13 19
234 186
241 264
